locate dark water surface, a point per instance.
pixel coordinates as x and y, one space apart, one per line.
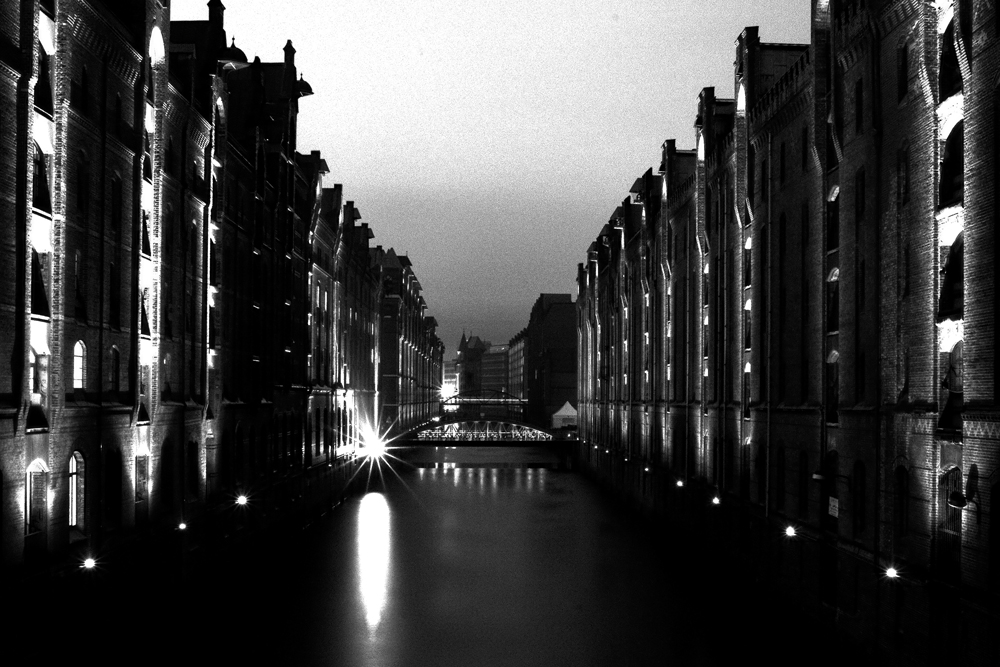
474 556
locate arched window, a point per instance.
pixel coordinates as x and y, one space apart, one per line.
40 199
949 73
833 301
79 365
77 495
951 304
36 496
951 416
952 185
832 387
116 371
949 536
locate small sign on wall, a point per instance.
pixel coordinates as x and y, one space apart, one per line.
834 508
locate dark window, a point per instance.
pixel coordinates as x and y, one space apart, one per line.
805 476
903 175
949 73
82 190
859 106
747 266
781 164
779 483
40 199
901 506
859 196
948 553
805 148
902 71
116 211
952 185
833 301
833 223
114 302
859 500
832 390
951 305
764 181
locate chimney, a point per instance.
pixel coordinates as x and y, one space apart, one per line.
216 11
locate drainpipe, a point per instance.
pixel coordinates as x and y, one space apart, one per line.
876 78
687 364
770 308
724 347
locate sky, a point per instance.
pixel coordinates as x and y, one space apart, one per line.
491 141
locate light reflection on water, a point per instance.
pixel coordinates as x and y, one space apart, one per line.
523 480
374 542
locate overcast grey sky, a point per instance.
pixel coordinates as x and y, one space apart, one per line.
490 141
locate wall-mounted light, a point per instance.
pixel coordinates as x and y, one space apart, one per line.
241 500
680 483
790 531
958 500
716 500
891 573
182 526
89 564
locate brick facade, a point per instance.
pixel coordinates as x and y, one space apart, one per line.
824 324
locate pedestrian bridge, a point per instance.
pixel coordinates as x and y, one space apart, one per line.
478 430
478 416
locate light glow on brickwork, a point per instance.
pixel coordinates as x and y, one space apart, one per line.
950 332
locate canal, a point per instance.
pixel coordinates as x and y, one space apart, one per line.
467 556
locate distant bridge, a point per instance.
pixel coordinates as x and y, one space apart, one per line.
479 416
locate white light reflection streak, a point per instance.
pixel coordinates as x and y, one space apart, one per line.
373 555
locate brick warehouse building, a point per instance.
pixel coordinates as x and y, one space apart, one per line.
782 329
187 313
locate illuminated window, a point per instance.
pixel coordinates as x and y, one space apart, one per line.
141 478
79 365
77 496
36 497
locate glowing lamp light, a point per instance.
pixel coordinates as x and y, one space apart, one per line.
373 444
182 526
790 531
241 500
89 564
892 573
646 469
680 483
716 500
